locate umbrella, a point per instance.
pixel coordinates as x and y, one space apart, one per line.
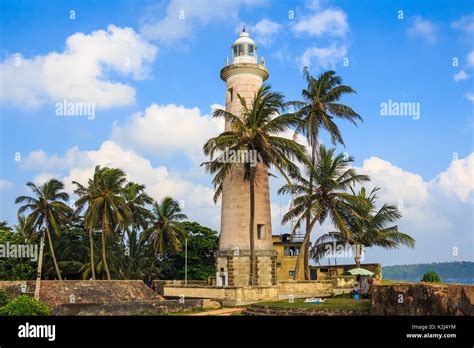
360 271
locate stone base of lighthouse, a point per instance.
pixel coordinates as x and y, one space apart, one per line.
233 268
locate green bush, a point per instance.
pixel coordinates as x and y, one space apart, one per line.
25 305
3 298
431 277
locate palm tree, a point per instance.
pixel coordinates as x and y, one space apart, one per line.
106 209
319 108
136 199
86 196
165 231
318 194
367 227
256 129
47 211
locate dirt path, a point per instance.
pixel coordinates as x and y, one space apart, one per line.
221 312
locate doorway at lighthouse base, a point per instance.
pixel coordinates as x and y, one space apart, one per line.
233 268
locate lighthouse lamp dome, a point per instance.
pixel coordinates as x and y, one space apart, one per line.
244 49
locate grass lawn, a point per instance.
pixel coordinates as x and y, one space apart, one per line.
391 282
330 304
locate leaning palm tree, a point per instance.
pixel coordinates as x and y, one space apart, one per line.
367 227
47 211
323 197
320 106
318 110
107 209
165 231
258 128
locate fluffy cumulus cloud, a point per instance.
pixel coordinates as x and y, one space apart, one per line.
422 28
169 129
79 73
470 59
465 23
182 18
322 57
159 182
460 76
173 130
265 30
437 213
330 22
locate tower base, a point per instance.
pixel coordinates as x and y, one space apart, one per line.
233 268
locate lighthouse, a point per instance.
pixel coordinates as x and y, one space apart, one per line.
244 76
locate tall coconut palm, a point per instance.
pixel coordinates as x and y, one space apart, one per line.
323 197
321 106
165 231
47 211
318 110
107 209
259 127
367 227
136 199
86 196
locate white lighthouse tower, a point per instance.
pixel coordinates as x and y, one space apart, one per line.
244 76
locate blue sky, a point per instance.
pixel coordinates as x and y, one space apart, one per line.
152 113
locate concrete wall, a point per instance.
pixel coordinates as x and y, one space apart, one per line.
307 288
238 296
422 299
229 296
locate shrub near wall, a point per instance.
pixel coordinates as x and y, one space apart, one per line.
25 305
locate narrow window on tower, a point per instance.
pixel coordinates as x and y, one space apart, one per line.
260 231
231 94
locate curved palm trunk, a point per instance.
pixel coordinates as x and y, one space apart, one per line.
40 267
104 256
309 226
306 249
91 241
301 255
251 228
51 248
358 256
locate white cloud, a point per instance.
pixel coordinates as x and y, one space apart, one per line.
470 58
5 184
424 29
80 72
466 24
265 30
166 130
470 96
331 22
436 212
183 18
458 179
460 76
159 182
322 57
